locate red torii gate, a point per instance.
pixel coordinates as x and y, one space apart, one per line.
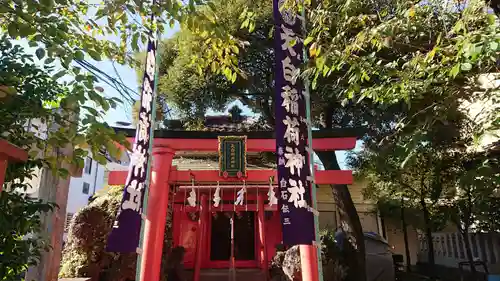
164 176
9 153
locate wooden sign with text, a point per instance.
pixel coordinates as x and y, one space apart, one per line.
233 156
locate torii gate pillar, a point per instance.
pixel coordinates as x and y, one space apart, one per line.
156 215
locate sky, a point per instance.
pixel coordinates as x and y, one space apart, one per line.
128 77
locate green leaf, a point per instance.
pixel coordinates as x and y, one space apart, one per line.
40 53
308 40
67 61
63 173
455 70
135 42
245 23
79 55
94 55
243 14
91 110
26 30
235 49
212 6
493 45
466 66
59 74
48 4
491 19
251 27
12 29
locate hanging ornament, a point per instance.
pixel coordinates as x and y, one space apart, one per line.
192 195
241 195
217 198
271 195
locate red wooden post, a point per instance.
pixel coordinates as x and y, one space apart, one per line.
262 236
202 229
308 261
9 152
154 228
3 168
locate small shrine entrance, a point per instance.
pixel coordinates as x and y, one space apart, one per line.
226 218
232 235
236 234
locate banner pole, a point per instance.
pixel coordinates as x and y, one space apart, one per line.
150 149
311 153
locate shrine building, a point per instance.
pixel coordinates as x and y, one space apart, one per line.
221 188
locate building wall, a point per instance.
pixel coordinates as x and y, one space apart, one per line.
370 221
395 238
449 249
93 178
327 207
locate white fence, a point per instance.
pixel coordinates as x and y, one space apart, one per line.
449 249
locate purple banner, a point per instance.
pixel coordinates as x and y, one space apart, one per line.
294 198
126 230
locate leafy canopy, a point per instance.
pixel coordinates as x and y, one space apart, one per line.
40 116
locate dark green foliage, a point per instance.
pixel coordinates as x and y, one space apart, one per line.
30 92
84 257
20 220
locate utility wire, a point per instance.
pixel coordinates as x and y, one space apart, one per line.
120 87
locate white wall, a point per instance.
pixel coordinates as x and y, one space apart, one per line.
449 249
97 180
77 199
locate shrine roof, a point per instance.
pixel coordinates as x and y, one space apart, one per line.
182 134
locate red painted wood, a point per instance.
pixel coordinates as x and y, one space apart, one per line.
308 263
253 176
154 226
185 233
3 169
253 145
274 234
207 229
201 235
262 236
11 152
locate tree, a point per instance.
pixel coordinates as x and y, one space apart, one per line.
72 30
476 179
421 181
31 93
399 50
434 170
20 216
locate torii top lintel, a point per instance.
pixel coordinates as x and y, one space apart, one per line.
330 140
263 141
